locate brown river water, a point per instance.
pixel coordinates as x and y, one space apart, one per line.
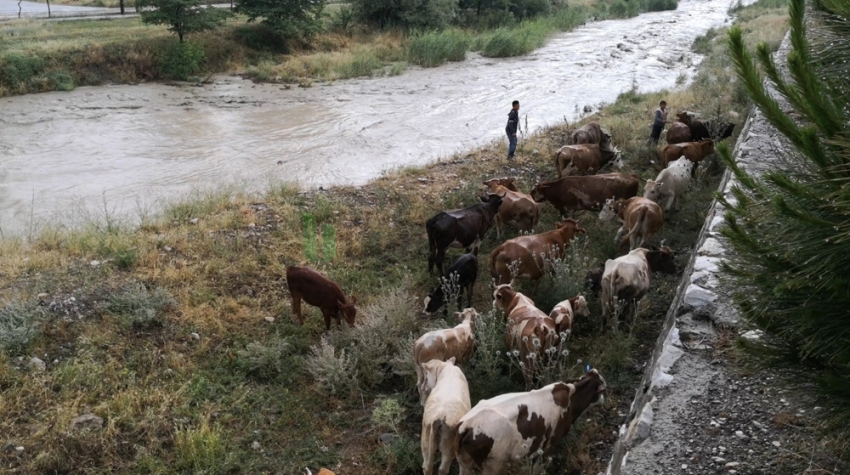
70 156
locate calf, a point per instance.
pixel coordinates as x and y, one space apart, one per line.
447 403
319 291
693 151
517 209
465 270
670 184
591 133
512 427
626 280
459 228
526 250
585 192
584 158
640 218
564 314
711 130
529 331
443 344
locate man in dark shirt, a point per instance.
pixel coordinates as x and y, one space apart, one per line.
511 128
659 121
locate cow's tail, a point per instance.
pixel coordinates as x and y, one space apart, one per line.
437 429
462 438
535 217
639 225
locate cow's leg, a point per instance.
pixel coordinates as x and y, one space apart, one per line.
499 223
492 467
296 307
465 461
670 202
619 236
469 294
476 244
428 449
420 379
327 316
447 449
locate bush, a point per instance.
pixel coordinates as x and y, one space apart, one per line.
424 14
17 70
202 450
508 42
288 18
362 63
335 372
139 308
569 18
618 9
181 60
388 415
343 19
402 456
19 325
61 81
265 362
660 5
435 48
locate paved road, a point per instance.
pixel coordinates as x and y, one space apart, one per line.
9 9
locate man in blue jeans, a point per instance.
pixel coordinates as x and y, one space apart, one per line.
511 128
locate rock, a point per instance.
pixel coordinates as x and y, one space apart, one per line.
167 249
36 364
740 434
94 263
535 152
776 443
87 421
731 465
711 247
387 438
752 335
42 295
256 445
696 296
195 336
269 319
718 460
19 448
193 221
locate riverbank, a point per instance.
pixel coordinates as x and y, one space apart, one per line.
39 56
179 335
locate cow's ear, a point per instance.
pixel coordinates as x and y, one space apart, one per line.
451 360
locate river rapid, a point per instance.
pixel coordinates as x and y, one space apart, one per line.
125 150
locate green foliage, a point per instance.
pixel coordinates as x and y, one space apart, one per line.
267 361
507 42
343 19
202 450
19 325
789 226
61 81
526 9
659 5
402 456
424 14
288 18
140 308
18 69
181 60
388 415
181 16
334 371
437 47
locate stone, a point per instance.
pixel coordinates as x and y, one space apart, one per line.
269 319
776 443
718 460
195 336
711 247
87 421
256 445
752 335
42 295
19 448
731 465
696 296
94 263
708 264
167 249
641 426
740 434
387 438
193 221
36 364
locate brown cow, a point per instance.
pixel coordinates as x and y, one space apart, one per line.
517 208
592 133
586 192
680 131
319 291
512 427
693 151
529 251
584 158
641 219
529 331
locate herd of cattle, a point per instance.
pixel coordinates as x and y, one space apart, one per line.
516 426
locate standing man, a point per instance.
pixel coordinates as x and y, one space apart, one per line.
511 128
659 121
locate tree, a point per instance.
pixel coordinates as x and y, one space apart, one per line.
181 16
790 227
426 14
288 18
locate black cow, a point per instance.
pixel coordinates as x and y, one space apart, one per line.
701 130
459 228
466 268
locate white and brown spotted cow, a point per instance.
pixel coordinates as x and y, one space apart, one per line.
447 403
511 427
564 314
443 344
626 280
529 331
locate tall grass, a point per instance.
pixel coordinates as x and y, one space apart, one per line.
437 47
506 42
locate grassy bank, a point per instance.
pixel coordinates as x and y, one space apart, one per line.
179 333
38 56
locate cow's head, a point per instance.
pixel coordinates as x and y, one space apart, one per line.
590 391
503 296
661 260
652 190
468 315
579 305
348 310
568 224
617 162
493 200
431 372
727 131
684 117
610 210
434 301
538 190
507 182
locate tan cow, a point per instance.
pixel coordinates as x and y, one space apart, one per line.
443 344
564 314
584 158
447 403
518 209
529 331
693 151
640 218
626 280
526 251
509 428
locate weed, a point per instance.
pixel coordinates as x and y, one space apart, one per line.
202 450
140 308
182 60
388 415
437 47
267 361
334 371
19 325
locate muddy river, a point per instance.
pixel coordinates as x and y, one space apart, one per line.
125 150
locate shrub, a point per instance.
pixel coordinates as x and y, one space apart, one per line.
508 42
266 362
17 69
660 5
61 81
569 18
425 14
388 415
525 9
362 63
402 456
139 308
181 16
19 325
288 18
618 9
436 47
343 19
335 372
202 450
181 60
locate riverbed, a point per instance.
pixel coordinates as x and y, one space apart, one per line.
68 157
